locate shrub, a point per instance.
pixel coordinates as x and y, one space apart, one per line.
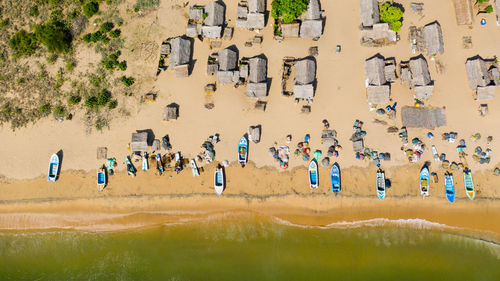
74 100
90 8
44 109
4 23
91 102
34 12
122 65
391 14
288 10
23 43
52 58
103 97
87 37
489 9
106 27
115 33
70 65
59 111
105 40
55 36
113 104
396 26
127 81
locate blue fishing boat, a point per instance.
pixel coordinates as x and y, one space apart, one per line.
159 164
469 184
381 184
219 183
424 181
145 161
313 174
335 178
449 187
243 151
53 168
130 167
102 180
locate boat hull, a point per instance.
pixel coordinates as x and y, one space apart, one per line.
243 151
449 188
469 184
381 185
219 184
424 181
53 173
313 174
102 181
335 178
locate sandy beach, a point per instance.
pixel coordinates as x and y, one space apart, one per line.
27 201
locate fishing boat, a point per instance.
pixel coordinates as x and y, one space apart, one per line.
424 181
335 178
219 183
130 167
469 184
53 168
449 187
102 180
435 154
243 151
159 164
145 161
381 184
194 168
313 174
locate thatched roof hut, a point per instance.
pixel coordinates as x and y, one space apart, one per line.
311 28
433 37
181 70
313 11
228 59
181 51
420 71
225 77
196 13
290 29
303 91
477 72
423 117
170 112
375 70
254 133
463 11
380 32
423 92
378 94
485 93
305 71
251 14
256 6
215 14
212 32
405 74
252 20
369 12
495 74
139 141
258 70
257 90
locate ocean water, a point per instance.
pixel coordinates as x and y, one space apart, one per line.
249 249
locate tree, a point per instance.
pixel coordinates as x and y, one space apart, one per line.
23 43
103 97
106 27
392 14
288 10
90 8
396 26
55 36
489 9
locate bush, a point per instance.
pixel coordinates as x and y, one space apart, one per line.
115 33
113 104
145 4
103 97
106 27
74 100
396 26
391 14
23 43
44 109
52 58
87 37
91 102
127 81
489 9
122 65
90 8
105 40
59 111
70 65
55 36
96 37
34 12
288 10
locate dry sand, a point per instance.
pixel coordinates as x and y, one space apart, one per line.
340 98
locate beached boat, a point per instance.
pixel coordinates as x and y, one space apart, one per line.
313 174
469 184
335 178
159 164
53 168
219 182
194 168
243 151
449 187
130 167
145 161
424 181
102 180
381 184
435 154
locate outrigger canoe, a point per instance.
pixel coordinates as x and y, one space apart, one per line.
130 167
145 161
243 151
469 184
219 183
102 180
194 168
313 174
381 184
159 164
424 181
449 187
53 168
335 178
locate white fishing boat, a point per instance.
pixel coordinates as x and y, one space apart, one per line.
219 181
194 168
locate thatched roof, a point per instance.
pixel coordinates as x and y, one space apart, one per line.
369 12
463 11
244 71
390 72
181 51
303 91
212 32
256 6
196 13
212 68
170 112
378 94
252 20
477 72
225 77
313 11
254 133
485 93
358 145
423 92
495 74
228 59
241 12
215 14
258 70
305 71
181 70
420 71
257 90
497 8
192 31
379 32
433 38
375 71
405 74
139 141
423 117
290 29
311 28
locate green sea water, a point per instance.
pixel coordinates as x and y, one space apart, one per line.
253 249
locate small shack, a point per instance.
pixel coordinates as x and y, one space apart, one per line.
378 94
485 93
419 117
214 14
420 72
254 133
477 72
379 73
206 21
170 112
369 12
290 30
305 77
180 51
312 24
227 61
251 14
139 142
374 71
433 38
257 77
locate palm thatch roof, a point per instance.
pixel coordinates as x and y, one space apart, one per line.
303 91
423 92
228 59
181 51
369 12
380 32
170 112
423 117
378 94
139 141
485 93
311 28
375 71
477 72
215 14
212 32
252 20
181 70
463 11
225 77
258 70
420 71
257 90
290 29
196 13
495 75
305 71
433 37
256 6
313 11
254 133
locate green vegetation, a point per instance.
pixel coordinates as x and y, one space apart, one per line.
99 100
127 81
391 13
113 104
90 8
59 111
74 100
115 33
489 9
106 27
23 43
288 10
481 1
44 109
111 62
55 36
145 4
70 65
